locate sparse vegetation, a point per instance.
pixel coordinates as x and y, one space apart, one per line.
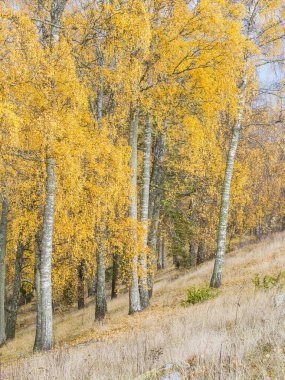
269 281
199 295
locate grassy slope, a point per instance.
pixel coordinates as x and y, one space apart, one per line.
238 335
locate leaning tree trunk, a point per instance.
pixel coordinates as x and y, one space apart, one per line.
144 212
216 279
153 244
3 242
155 202
46 256
134 295
81 285
13 309
101 301
115 275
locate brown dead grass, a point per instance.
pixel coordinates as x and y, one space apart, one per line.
238 335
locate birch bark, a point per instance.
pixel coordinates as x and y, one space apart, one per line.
134 295
216 279
144 211
101 301
46 257
44 330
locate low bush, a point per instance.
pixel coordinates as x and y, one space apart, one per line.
199 295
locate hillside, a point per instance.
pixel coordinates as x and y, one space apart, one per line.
140 139
238 335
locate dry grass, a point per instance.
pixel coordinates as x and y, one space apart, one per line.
238 335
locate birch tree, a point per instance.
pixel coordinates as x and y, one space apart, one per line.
134 295
262 35
46 334
44 338
144 210
101 300
216 279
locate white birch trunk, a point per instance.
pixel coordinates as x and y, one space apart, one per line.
216 279
3 242
46 258
44 334
101 301
57 8
144 211
134 295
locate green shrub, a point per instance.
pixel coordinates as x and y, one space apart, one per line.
267 282
199 295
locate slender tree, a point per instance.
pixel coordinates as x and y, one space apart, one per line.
101 232
44 337
144 211
134 295
263 28
101 300
216 279
46 334
3 242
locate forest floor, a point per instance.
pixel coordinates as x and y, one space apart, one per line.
237 335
